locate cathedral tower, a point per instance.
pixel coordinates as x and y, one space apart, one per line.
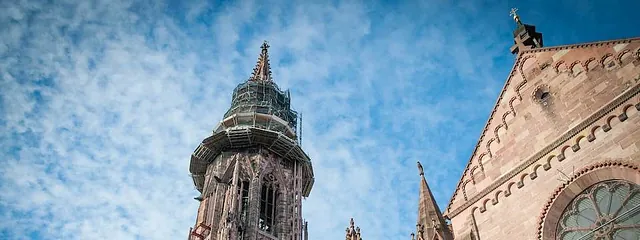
252 173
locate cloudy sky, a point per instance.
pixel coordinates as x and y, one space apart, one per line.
102 102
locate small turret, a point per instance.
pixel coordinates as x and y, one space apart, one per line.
524 36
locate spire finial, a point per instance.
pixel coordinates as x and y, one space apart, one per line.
262 71
420 169
524 36
351 223
514 13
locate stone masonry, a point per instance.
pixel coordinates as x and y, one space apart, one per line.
566 119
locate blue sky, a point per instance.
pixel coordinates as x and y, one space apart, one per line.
102 102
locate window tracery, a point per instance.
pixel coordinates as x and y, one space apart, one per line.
609 210
268 197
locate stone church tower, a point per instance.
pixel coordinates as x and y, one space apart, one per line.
251 172
559 157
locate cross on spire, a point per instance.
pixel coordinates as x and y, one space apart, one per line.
514 13
525 35
262 71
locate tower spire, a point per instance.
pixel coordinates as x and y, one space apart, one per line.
431 223
249 205
262 71
353 232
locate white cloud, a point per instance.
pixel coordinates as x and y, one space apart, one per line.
102 103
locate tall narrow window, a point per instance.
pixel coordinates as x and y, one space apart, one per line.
244 199
268 198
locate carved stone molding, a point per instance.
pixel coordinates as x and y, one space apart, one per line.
538 94
585 64
620 55
559 143
603 59
578 46
523 56
480 141
571 67
556 67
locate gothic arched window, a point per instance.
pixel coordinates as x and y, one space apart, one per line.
608 210
243 192
268 197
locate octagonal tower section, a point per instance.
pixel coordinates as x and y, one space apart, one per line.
252 172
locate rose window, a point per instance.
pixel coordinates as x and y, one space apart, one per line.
608 210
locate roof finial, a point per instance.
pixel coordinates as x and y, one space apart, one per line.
514 13
262 71
420 169
524 36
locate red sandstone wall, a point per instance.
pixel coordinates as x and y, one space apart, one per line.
520 154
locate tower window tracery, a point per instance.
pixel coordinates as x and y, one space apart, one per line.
268 197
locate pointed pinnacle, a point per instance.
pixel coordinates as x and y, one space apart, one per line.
262 70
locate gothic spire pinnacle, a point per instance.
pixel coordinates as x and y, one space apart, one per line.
430 219
353 232
262 71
